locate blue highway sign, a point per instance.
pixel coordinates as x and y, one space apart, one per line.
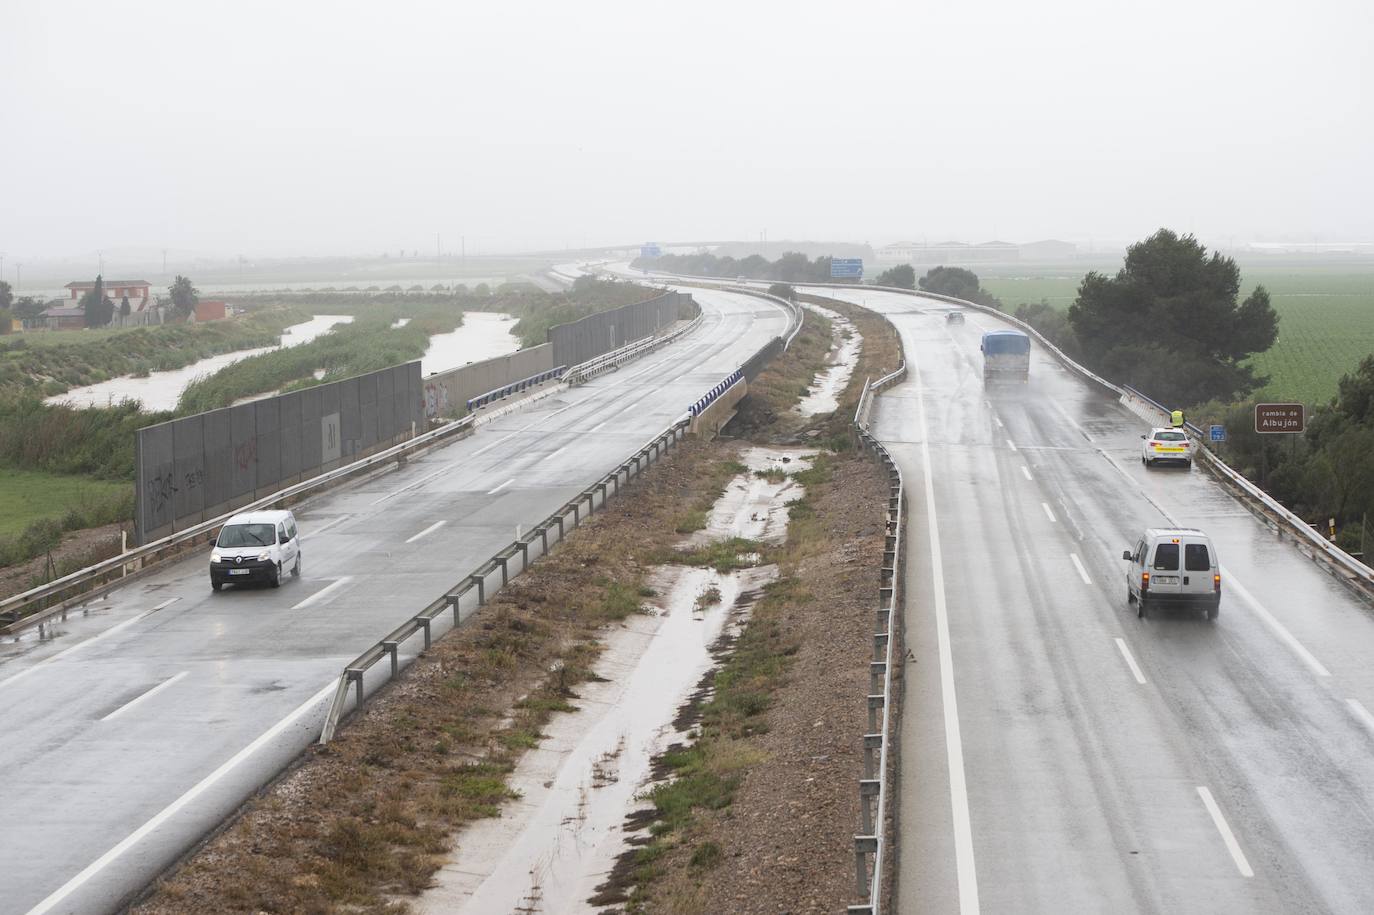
1218 433
846 267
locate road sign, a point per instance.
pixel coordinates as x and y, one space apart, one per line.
1279 417
1218 433
846 268
650 249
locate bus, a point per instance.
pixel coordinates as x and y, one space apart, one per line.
1006 355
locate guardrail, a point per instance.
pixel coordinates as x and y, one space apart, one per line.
598 365
872 840
715 393
515 387
12 610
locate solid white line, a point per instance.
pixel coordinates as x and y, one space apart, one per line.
429 530
91 641
171 810
334 523
1011 444
1082 572
319 595
1361 713
1027 473
954 747
156 689
1048 512
1226 835
1130 661
554 454
492 492
1279 629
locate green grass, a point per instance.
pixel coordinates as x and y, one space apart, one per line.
1326 319
27 496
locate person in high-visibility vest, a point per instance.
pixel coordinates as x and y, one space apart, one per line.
1176 419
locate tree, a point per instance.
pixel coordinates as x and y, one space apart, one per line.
1168 322
93 303
6 295
5 320
783 291
184 296
124 309
902 276
1356 397
951 281
26 306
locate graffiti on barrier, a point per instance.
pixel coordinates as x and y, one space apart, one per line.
161 489
436 399
246 454
194 478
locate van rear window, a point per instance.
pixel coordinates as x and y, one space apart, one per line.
1195 558
1166 557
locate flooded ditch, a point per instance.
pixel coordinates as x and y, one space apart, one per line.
824 394
552 850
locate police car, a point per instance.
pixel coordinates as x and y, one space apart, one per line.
1166 446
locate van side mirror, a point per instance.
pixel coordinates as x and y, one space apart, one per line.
1126 555
1143 435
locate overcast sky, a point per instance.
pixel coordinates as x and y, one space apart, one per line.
286 127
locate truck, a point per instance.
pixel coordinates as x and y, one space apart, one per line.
1006 356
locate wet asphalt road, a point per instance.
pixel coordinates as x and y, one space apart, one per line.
1059 754
133 729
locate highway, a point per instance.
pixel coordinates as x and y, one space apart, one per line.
1059 755
133 729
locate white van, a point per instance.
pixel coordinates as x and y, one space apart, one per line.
256 546
1173 568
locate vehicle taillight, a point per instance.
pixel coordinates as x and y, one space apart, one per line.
1144 581
1216 582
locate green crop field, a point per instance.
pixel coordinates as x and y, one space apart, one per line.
1326 318
27 496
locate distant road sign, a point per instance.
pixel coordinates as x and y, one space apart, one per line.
650 250
1218 433
1279 417
846 268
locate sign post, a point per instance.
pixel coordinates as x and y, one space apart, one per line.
1273 418
846 268
1217 433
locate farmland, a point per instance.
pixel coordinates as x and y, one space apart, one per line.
1326 318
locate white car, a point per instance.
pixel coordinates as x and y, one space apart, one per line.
256 546
1166 445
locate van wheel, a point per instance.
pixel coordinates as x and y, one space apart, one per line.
1130 596
1213 610
1142 608
1188 465
275 580
216 585
296 569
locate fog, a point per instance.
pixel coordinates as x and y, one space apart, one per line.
263 128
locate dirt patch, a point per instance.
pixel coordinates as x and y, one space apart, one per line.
76 551
366 820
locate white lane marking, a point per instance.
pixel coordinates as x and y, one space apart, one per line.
322 593
420 482
998 420
492 492
91 641
554 454
1048 512
598 426
1228 581
1130 661
1226 835
1026 472
334 523
1361 713
429 530
628 407
1011 444
171 810
1082 572
954 747
152 692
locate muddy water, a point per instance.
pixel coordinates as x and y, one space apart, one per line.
483 335
161 390
824 393
553 847
755 507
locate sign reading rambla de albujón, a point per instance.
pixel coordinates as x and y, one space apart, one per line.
1279 417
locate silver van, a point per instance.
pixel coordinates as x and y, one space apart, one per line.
1173 568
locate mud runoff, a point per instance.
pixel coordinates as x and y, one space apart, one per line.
824 394
552 850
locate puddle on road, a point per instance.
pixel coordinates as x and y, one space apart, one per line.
556 845
824 394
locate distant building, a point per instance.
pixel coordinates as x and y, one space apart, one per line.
209 311
1049 250
957 253
138 291
64 317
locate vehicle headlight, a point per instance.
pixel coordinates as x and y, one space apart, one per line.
216 557
264 556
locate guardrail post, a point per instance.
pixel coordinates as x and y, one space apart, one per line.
423 622
501 561
876 670
392 649
544 538
481 584
868 790
875 702
524 554
577 513
560 524
872 744
863 847
357 677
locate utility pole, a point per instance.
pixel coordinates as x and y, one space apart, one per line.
463 239
164 263
18 277
438 249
